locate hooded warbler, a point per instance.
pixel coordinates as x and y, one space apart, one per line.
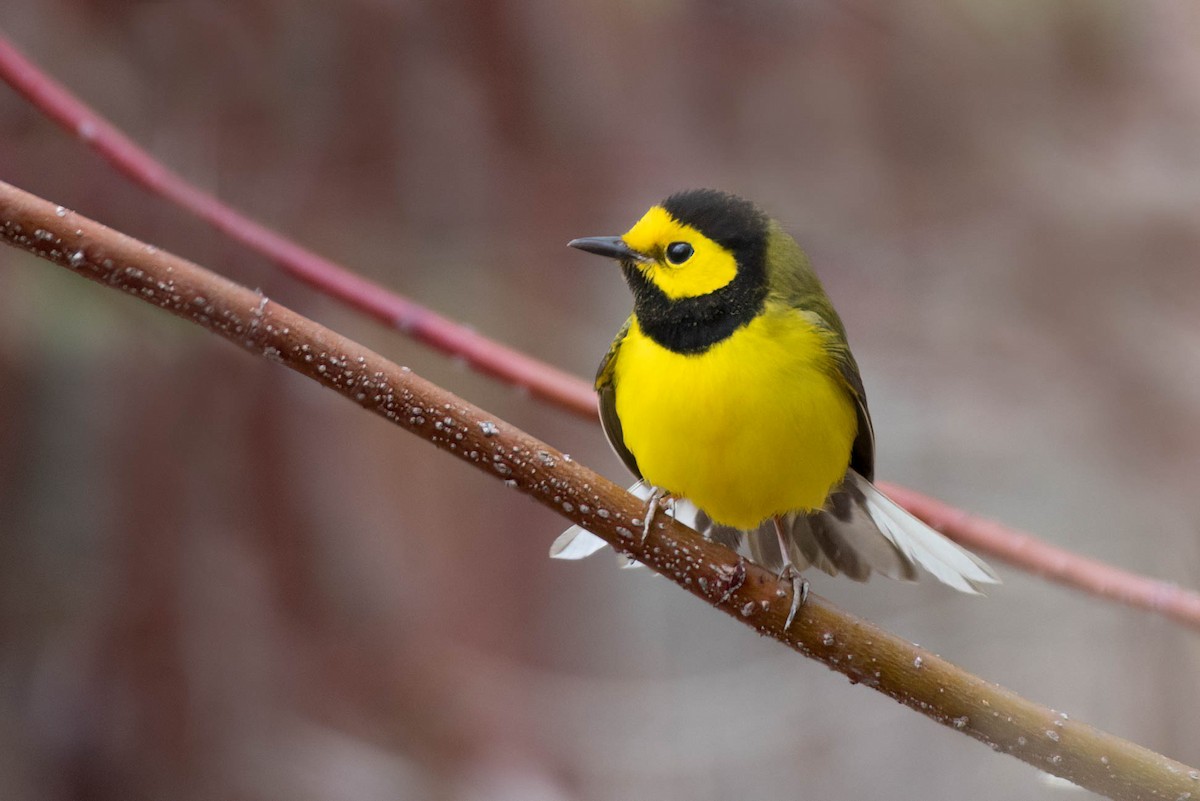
732 391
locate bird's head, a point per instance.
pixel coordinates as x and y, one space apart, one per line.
693 243
696 264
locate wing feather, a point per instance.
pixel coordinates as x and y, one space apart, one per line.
606 388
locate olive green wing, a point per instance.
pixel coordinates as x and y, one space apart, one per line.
606 388
862 453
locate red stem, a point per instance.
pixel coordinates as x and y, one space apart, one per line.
485 355
1043 559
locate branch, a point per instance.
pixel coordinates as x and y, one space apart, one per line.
1043 559
859 650
390 308
501 362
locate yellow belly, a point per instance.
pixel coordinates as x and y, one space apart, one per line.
759 425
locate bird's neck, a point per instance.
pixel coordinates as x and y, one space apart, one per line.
691 326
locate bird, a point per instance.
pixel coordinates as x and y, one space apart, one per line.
733 397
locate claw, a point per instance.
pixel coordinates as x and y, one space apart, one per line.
789 573
799 592
658 499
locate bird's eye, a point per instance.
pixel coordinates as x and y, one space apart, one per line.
679 252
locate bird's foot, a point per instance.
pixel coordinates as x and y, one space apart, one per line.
659 499
789 573
799 591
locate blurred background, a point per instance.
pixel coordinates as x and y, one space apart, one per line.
219 581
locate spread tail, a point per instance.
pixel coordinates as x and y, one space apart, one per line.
859 531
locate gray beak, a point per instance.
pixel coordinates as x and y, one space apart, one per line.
612 246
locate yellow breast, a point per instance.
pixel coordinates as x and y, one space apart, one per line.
759 425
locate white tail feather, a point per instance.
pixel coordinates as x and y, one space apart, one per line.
945 560
575 543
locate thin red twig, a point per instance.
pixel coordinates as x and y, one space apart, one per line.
485 355
548 383
1043 559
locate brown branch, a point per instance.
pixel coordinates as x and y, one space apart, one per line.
864 653
543 381
388 307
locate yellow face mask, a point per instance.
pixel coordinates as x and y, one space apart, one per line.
681 261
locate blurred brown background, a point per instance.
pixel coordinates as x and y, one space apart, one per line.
218 581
